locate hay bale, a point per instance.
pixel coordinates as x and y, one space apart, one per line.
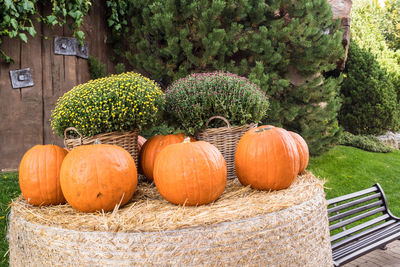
244 227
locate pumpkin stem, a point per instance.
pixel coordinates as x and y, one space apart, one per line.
97 142
263 129
186 140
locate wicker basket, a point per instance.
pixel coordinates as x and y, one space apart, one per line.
226 140
127 140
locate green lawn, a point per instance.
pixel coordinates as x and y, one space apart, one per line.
9 189
346 169
349 169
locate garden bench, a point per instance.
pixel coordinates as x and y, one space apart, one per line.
366 223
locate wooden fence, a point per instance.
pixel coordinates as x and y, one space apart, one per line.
25 112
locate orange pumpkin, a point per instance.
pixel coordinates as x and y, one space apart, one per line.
267 158
152 148
98 177
39 175
190 173
302 148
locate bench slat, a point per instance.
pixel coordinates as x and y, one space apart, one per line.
367 249
354 202
356 210
356 218
360 234
359 227
352 195
390 230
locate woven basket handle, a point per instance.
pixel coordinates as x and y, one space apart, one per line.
75 130
221 118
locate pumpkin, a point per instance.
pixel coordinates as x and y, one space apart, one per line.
98 177
39 175
302 148
190 173
152 148
266 158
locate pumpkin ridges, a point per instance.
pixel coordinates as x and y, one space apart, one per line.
39 175
259 156
180 180
302 148
100 178
152 148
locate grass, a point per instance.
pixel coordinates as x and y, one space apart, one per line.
9 189
346 170
349 169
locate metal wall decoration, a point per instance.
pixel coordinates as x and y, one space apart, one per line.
21 78
69 46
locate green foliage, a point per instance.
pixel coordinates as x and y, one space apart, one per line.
390 23
369 99
161 129
191 101
121 102
9 189
369 26
16 17
97 69
120 68
364 142
256 39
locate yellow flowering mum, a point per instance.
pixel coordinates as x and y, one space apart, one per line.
121 102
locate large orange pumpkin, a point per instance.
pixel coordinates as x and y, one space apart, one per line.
267 158
190 173
39 175
98 177
302 148
152 148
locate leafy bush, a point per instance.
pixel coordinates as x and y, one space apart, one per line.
120 68
16 18
191 101
364 142
116 103
261 40
369 99
370 29
97 69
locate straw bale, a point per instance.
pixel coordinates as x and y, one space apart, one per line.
243 227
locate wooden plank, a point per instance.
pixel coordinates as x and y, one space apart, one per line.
53 75
11 149
31 125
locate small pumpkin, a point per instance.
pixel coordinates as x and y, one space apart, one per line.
266 158
98 177
302 148
190 173
152 148
39 175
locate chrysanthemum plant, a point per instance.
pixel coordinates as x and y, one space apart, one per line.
116 103
192 100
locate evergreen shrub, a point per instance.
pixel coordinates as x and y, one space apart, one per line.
365 142
369 98
261 40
